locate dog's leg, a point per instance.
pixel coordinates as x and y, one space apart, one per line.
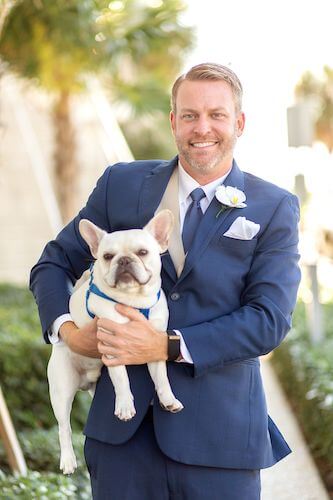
64 381
158 373
124 406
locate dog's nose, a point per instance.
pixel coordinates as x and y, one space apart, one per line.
124 261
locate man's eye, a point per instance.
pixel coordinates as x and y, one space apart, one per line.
219 115
188 116
142 252
108 256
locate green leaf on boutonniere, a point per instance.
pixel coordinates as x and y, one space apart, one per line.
222 209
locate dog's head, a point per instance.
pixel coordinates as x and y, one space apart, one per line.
129 260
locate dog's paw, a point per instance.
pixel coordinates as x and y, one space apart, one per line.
171 404
125 409
68 463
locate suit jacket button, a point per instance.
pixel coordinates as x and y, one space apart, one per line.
175 296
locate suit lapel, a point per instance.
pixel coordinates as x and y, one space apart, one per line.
175 256
152 200
210 224
153 187
156 195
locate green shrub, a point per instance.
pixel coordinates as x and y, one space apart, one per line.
306 373
23 362
47 486
42 451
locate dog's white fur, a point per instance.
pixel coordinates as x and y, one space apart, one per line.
127 268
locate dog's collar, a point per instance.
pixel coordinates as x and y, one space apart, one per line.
96 291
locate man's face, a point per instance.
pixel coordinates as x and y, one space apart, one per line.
206 127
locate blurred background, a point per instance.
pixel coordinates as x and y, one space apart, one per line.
86 83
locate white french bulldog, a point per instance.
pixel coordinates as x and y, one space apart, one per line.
127 270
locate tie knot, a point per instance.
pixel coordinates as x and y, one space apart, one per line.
197 194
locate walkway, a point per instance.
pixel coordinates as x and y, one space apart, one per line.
295 477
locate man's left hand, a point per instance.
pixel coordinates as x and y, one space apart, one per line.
133 343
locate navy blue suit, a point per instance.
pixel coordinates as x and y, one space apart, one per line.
232 303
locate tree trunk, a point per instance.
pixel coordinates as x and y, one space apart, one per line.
324 132
66 168
5 8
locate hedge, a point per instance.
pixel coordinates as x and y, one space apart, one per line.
23 361
45 486
306 373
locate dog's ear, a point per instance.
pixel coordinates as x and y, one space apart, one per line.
161 227
91 234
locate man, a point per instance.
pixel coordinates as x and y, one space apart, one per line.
231 294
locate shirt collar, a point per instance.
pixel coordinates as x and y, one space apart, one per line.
187 184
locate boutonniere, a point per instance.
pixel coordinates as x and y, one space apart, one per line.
229 197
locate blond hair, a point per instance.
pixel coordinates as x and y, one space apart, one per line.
213 72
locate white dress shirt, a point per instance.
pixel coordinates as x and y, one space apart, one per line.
186 185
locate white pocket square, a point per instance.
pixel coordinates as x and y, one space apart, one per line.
242 229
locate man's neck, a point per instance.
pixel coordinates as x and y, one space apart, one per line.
204 178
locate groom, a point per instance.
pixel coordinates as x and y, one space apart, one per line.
230 277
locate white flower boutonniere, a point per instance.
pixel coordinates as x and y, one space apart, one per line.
229 197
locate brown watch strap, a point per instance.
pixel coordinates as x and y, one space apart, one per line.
173 345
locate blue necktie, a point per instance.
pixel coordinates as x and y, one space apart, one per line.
192 218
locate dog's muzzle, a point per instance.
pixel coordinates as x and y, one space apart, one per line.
125 270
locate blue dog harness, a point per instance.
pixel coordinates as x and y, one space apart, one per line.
96 291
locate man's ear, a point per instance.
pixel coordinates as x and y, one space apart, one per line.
172 121
240 124
91 234
160 227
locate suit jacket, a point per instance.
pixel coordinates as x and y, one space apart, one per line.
232 302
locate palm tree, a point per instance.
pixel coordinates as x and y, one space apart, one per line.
136 48
320 92
5 7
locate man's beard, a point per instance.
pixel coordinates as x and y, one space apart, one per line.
206 165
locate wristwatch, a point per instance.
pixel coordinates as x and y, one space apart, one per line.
173 345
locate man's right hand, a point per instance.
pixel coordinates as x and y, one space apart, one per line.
81 340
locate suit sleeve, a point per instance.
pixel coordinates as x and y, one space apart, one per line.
267 300
65 258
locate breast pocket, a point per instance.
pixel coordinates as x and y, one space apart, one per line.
238 248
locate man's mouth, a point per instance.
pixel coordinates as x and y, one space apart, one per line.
206 144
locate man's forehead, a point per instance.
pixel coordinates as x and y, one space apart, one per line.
213 95
204 90
204 85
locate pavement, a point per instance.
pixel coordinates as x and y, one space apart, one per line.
296 476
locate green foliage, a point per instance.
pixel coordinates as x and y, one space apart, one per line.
319 92
23 361
42 487
51 41
42 450
139 46
306 372
150 138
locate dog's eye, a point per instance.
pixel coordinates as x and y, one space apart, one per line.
108 256
142 252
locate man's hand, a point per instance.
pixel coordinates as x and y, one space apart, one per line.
132 343
81 340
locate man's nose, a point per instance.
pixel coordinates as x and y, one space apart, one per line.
202 126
